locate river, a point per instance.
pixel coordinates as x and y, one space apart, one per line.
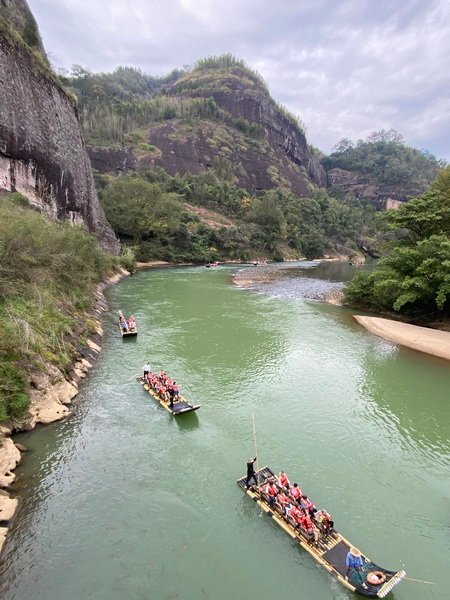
122 501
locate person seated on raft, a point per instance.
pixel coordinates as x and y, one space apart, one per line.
325 522
296 514
283 480
164 394
307 505
132 323
283 501
272 492
123 323
295 492
175 390
312 533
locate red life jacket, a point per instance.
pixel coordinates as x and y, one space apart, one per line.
295 514
295 492
284 480
271 490
306 523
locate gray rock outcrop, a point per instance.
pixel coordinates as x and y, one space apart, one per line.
42 151
365 188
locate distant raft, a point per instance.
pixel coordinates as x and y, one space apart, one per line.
330 550
127 327
180 406
129 333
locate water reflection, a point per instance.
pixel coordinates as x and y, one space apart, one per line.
417 407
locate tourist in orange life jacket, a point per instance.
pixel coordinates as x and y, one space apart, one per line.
295 491
307 505
271 491
309 528
283 480
283 499
296 514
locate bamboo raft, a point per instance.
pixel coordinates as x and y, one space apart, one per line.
180 406
330 551
129 333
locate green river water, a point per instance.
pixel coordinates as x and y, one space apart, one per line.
122 501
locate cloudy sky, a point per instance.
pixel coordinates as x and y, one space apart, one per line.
345 67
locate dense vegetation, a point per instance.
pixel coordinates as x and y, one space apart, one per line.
47 272
385 156
115 107
148 211
414 279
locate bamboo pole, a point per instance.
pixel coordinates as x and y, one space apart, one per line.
420 581
255 448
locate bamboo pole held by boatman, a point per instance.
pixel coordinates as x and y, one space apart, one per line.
256 452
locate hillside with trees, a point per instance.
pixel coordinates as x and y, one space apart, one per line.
380 168
413 280
209 136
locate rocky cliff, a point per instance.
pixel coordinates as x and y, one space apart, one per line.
42 151
246 132
364 187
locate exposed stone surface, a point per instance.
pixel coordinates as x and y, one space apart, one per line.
9 458
280 157
8 507
365 188
3 532
42 151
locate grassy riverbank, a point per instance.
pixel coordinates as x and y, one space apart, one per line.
48 272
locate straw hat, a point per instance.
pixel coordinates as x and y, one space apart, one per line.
355 551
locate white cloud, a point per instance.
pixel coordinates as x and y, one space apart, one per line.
345 67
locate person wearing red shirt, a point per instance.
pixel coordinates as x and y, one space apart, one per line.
272 492
295 491
296 514
283 480
309 528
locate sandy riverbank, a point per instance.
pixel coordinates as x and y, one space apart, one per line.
50 394
431 341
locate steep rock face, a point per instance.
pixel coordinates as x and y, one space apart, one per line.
198 147
363 187
42 152
283 135
279 156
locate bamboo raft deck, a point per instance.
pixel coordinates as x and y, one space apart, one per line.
330 551
180 406
129 333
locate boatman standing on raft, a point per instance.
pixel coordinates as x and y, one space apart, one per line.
355 562
251 472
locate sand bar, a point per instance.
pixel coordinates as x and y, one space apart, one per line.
431 341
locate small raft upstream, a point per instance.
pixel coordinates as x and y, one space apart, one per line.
180 405
330 550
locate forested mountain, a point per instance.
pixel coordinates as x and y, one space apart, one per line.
381 169
209 137
414 278
217 115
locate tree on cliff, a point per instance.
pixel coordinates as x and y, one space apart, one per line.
414 279
385 156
